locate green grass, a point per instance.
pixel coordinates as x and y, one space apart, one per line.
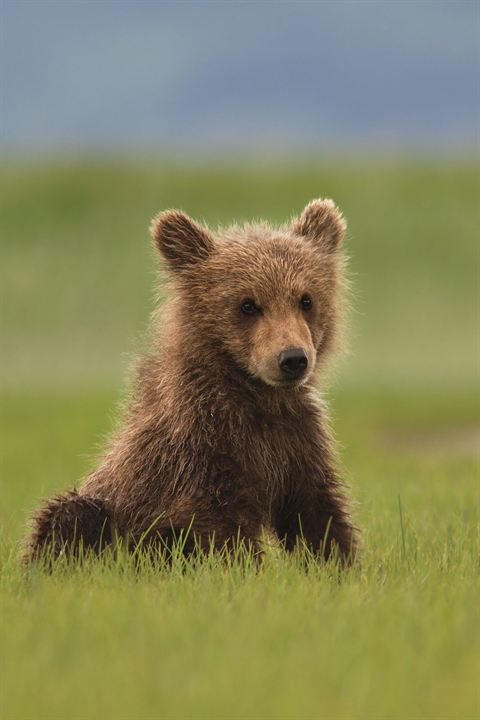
395 638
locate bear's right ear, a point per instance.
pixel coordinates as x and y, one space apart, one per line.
322 222
180 240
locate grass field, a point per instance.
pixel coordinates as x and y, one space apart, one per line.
395 638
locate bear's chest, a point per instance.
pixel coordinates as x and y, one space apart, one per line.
277 449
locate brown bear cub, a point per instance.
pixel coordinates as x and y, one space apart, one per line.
224 436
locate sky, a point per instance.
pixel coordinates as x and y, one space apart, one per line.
215 76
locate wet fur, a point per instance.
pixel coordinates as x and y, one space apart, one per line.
208 445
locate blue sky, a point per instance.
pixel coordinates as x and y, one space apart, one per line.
243 76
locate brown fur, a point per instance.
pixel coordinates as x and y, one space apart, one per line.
216 441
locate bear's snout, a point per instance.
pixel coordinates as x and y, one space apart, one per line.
293 362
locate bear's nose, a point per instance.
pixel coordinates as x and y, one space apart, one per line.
293 362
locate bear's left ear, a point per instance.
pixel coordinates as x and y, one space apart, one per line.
322 222
180 240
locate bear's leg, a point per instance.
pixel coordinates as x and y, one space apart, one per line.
69 524
321 521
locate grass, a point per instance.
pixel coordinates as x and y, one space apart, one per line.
395 638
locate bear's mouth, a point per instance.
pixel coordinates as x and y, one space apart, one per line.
288 384
283 384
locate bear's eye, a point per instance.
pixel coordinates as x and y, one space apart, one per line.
248 307
306 302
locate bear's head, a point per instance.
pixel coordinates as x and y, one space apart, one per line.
264 299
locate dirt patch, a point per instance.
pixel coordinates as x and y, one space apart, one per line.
453 442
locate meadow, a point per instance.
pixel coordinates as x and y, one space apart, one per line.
395 638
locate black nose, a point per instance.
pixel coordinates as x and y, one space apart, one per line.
293 362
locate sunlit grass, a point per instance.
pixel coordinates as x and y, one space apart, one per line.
393 637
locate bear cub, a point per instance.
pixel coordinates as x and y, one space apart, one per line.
224 435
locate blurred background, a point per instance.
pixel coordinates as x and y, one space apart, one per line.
249 77
112 111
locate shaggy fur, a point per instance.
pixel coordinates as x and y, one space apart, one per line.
217 441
